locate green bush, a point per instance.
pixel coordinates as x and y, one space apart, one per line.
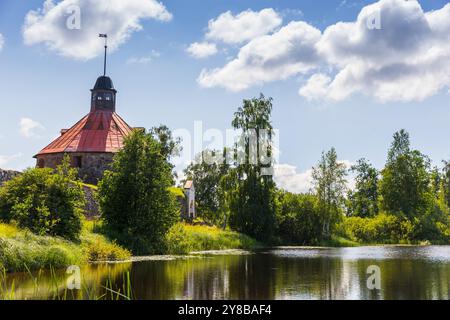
44 201
299 220
383 228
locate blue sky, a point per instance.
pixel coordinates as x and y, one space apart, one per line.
44 88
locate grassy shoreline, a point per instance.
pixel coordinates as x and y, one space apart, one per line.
21 250
184 239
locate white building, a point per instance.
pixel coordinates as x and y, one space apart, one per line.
189 191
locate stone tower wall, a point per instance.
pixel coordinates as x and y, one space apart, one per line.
90 165
6 175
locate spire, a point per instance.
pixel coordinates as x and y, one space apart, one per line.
104 35
103 95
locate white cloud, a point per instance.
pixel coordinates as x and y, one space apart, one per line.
316 87
29 128
244 26
145 59
6 160
2 42
201 50
267 58
407 59
118 18
286 177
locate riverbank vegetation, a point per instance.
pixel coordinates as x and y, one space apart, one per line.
184 238
22 250
42 223
407 201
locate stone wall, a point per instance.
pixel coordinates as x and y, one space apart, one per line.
6 175
90 165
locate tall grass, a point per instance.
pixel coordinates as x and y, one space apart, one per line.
184 238
21 250
53 286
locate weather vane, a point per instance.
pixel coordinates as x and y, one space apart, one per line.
104 35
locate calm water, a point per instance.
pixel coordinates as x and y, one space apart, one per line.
282 273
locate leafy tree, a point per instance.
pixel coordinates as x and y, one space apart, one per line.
329 178
252 197
446 182
363 201
299 221
137 206
405 181
436 182
207 177
170 146
45 201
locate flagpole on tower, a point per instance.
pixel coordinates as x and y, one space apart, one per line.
101 35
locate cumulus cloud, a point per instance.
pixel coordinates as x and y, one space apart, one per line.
406 59
71 27
245 26
316 87
278 56
201 50
2 42
29 128
287 177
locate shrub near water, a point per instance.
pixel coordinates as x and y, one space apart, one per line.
44 201
383 228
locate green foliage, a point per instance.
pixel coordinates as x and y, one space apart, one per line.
177 192
446 183
363 201
405 181
207 176
330 186
299 221
21 250
183 239
250 195
383 228
44 201
137 206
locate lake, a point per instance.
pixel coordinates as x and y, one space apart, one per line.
406 272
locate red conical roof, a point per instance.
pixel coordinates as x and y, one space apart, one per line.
99 131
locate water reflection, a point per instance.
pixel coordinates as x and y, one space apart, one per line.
406 273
